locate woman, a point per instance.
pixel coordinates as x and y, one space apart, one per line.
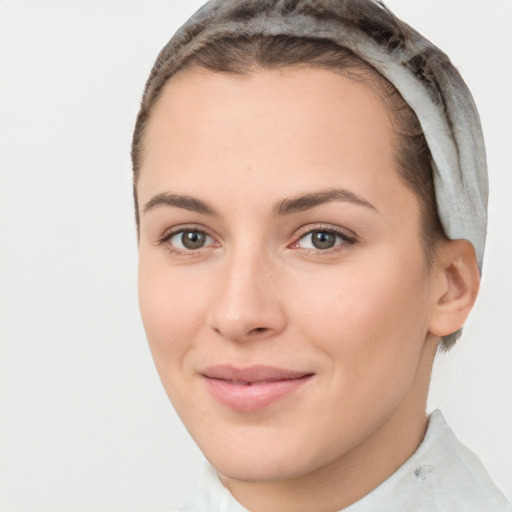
311 196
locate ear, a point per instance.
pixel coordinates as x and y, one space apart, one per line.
456 288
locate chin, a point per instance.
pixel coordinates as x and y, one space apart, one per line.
247 468
266 459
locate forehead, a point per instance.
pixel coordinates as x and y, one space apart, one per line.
268 119
244 144
298 88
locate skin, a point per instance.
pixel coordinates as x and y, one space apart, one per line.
363 317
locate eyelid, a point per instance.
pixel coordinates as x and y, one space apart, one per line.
318 226
171 232
348 237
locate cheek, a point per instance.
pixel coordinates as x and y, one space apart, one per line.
364 301
366 318
371 328
170 310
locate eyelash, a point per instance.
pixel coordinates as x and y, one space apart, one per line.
165 240
346 239
340 234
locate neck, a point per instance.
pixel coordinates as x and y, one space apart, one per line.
354 475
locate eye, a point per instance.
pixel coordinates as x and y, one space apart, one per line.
323 240
189 240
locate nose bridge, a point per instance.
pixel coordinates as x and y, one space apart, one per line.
247 303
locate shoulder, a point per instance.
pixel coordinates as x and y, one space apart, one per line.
454 474
442 475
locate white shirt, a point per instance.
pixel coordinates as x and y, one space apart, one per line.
441 476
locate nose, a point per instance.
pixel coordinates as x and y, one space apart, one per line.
247 303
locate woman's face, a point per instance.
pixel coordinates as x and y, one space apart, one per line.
283 285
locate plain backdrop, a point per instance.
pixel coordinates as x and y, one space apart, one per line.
84 423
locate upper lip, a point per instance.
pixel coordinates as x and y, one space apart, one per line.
251 374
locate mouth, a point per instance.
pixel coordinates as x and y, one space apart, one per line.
253 388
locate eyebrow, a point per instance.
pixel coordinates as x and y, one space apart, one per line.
308 201
283 207
180 201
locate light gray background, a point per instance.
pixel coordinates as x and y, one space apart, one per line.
84 423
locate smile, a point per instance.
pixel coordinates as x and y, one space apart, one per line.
254 388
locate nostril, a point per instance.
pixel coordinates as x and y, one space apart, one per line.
258 330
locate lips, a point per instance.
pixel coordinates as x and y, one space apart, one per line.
253 388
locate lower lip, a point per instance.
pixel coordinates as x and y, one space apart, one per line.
253 397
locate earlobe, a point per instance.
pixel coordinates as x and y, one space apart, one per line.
457 286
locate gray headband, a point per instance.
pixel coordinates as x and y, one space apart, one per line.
423 75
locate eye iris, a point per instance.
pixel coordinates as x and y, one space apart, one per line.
193 239
323 239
